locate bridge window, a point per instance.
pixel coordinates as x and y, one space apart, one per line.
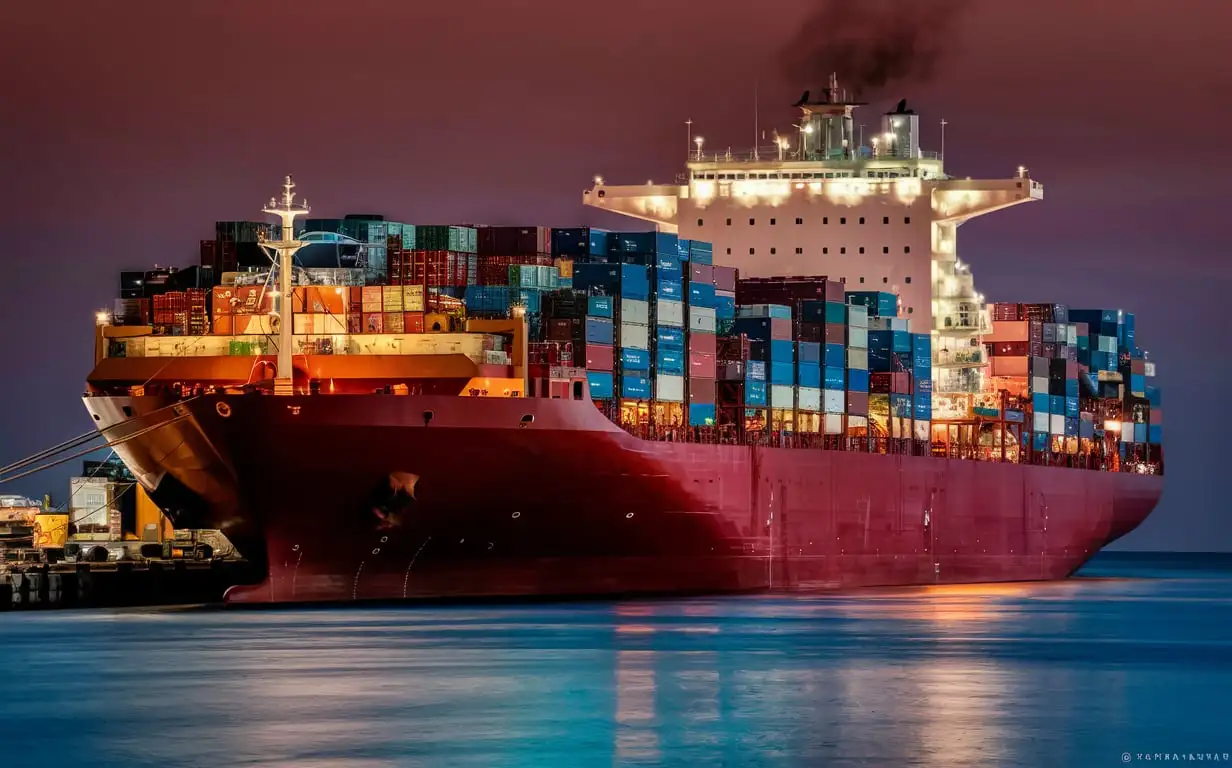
908 281
577 390
799 250
885 279
799 220
825 219
861 280
885 249
885 219
843 249
752 222
773 222
729 251
729 222
752 251
906 249
861 249
907 220
861 219
842 220
825 249
700 222
773 251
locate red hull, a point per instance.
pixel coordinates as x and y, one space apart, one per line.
569 504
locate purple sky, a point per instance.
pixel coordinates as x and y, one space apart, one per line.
130 127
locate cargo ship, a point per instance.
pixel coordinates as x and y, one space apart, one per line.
789 384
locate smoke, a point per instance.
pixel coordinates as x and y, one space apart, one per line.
872 44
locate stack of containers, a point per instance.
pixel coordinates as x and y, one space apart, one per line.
702 340
889 362
580 244
599 334
626 329
857 366
1034 352
1155 431
724 299
769 328
829 317
922 384
671 358
743 381
810 380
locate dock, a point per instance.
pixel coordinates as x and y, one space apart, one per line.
31 586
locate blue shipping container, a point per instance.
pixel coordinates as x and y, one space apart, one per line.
754 392
1056 404
1153 396
1039 441
600 385
672 338
1071 407
701 295
579 241
756 370
834 356
782 351
1041 403
634 359
809 352
1137 382
701 415
599 331
1071 388
671 289
669 361
724 307
922 345
857 380
1155 434
1071 427
900 406
599 306
921 385
923 407
635 387
880 360
809 375
642 242
834 378
782 373
756 328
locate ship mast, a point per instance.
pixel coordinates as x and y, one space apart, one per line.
286 246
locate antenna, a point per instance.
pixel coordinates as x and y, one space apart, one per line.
756 117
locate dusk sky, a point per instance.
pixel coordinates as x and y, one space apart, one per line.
129 127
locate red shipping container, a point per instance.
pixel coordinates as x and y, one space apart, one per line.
901 383
355 322
374 322
857 403
1007 349
780 328
787 290
733 347
890 383
209 254
704 343
701 366
413 322
1050 351
564 329
835 333
356 295
1071 369
240 300
701 391
599 357
1083 329
725 279
701 273
1007 312
1035 331
813 332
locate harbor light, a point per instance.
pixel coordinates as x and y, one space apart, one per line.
102 317
698 140
1112 426
598 180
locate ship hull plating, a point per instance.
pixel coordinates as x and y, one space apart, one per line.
383 497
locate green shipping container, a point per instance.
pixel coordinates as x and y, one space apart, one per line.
836 312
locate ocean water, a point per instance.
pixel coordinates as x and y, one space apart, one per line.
1130 663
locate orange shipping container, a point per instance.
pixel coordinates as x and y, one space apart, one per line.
372 298
1009 330
413 322
241 300
566 267
436 323
356 295
1011 366
224 325
393 322
320 299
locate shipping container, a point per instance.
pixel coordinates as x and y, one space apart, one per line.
781 396
809 399
599 331
702 319
670 313
669 388
857 403
582 242
635 387
831 378
757 369
600 357
834 401
600 382
755 392
672 338
857 380
857 338
878 303
669 361
764 311
635 336
634 359
634 311
702 390
857 359
782 373
702 414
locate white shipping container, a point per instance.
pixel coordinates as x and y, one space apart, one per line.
857 422
633 336
702 319
832 424
473 345
319 323
782 396
391 298
1040 423
808 399
857 359
834 401
857 317
923 430
669 388
635 311
1149 369
857 337
1057 424
413 298
671 313
1108 344
1039 384
887 324
1071 334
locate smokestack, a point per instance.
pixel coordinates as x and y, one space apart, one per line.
873 43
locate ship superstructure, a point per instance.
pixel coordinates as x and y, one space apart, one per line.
872 210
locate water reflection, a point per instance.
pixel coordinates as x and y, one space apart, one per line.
1061 674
